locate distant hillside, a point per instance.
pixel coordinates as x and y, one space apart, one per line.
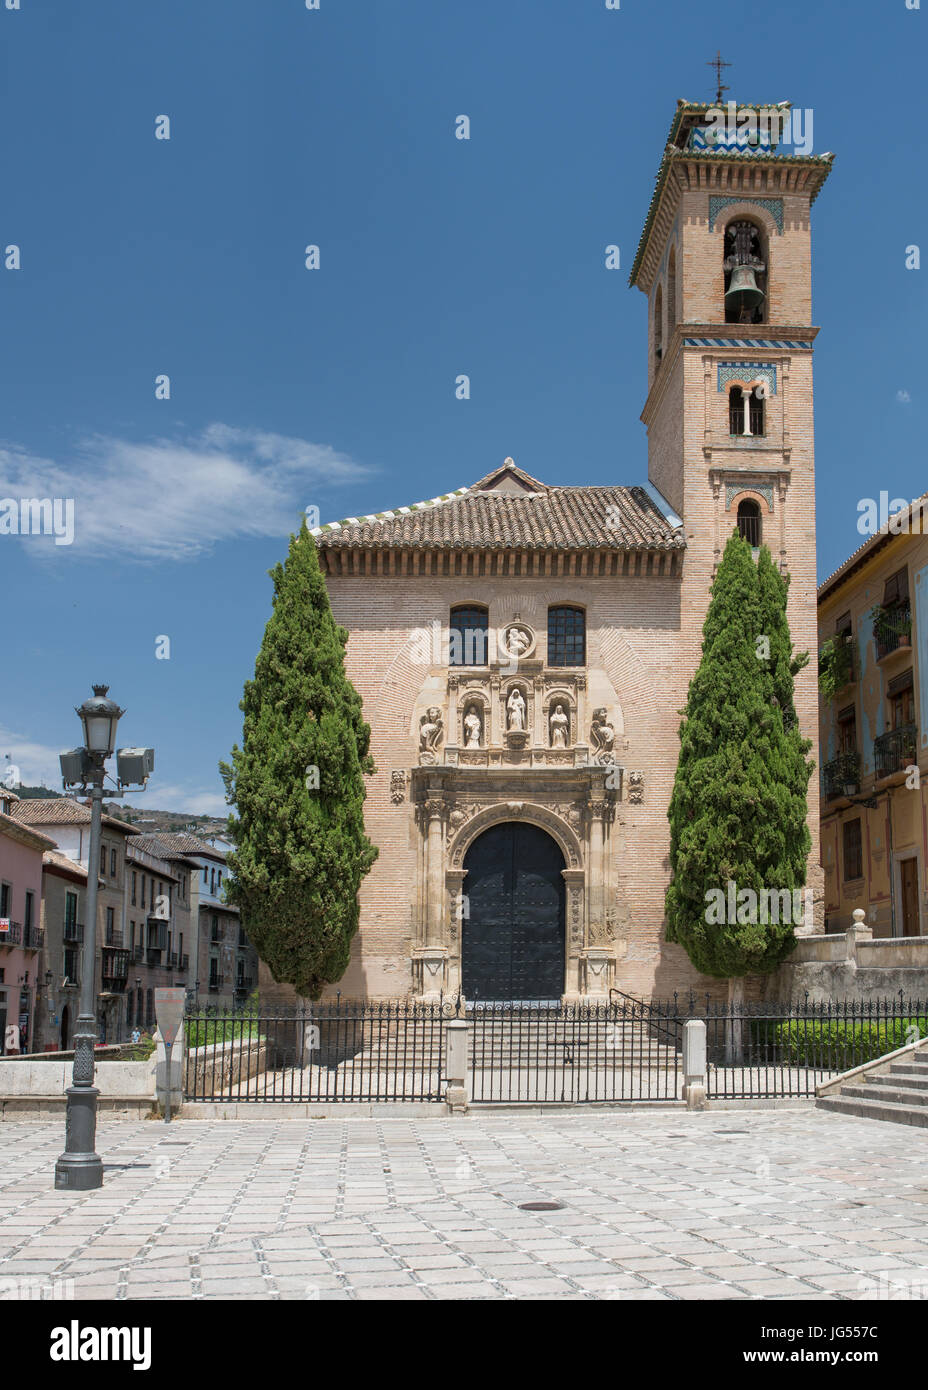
149 822
27 793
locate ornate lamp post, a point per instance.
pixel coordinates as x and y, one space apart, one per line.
79 1168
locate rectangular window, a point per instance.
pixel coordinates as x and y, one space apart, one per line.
103 859
566 637
134 877
896 589
30 909
6 894
853 850
847 730
70 909
109 926
112 863
143 890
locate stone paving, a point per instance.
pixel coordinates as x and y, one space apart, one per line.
782 1204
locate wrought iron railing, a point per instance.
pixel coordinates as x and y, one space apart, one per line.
892 629
73 931
895 750
33 938
841 776
330 1051
13 936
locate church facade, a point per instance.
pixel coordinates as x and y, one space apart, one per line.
523 647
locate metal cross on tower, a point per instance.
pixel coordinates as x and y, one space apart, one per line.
718 63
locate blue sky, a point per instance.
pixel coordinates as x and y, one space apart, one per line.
335 388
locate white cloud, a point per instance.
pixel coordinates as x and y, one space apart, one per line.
176 499
903 396
176 797
36 763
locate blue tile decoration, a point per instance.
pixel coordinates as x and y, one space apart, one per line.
738 371
772 205
748 343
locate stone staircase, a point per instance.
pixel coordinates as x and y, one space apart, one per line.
894 1090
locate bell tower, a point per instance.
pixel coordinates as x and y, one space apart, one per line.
725 263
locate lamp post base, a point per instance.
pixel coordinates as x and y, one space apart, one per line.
79 1169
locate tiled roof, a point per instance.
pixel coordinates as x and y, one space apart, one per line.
54 859
61 810
545 518
172 844
24 832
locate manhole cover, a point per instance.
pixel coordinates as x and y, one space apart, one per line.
541 1206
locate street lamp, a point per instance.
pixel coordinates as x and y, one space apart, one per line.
79 1168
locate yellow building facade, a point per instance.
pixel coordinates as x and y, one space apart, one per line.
873 668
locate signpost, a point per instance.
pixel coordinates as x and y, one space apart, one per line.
169 1014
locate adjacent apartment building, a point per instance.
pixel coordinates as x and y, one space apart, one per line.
873 665
21 851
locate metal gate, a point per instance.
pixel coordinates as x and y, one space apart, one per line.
574 1053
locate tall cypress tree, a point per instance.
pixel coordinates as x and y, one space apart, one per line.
297 784
738 810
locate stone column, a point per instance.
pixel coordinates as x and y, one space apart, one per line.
434 811
574 881
595 904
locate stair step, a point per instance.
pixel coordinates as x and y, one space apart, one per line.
919 1069
905 1095
875 1110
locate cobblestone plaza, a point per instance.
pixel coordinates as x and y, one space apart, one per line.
777 1203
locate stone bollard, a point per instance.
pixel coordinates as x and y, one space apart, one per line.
169 1073
858 932
456 1065
694 1064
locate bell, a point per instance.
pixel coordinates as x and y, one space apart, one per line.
742 296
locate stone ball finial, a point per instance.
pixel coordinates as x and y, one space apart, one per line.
858 914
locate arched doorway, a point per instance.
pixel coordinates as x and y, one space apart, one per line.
513 940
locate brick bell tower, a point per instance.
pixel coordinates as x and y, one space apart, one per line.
725 262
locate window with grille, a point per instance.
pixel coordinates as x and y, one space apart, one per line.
566 637
853 850
736 410
756 416
749 527
467 644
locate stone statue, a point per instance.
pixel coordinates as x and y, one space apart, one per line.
431 731
560 727
515 708
473 727
602 737
518 641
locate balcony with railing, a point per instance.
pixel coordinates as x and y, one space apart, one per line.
13 936
216 983
73 931
244 984
895 750
33 938
892 630
841 776
115 968
183 963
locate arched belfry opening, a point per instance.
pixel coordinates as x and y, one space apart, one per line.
513 941
745 268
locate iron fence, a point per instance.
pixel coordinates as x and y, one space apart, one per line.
771 1050
626 1050
331 1051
